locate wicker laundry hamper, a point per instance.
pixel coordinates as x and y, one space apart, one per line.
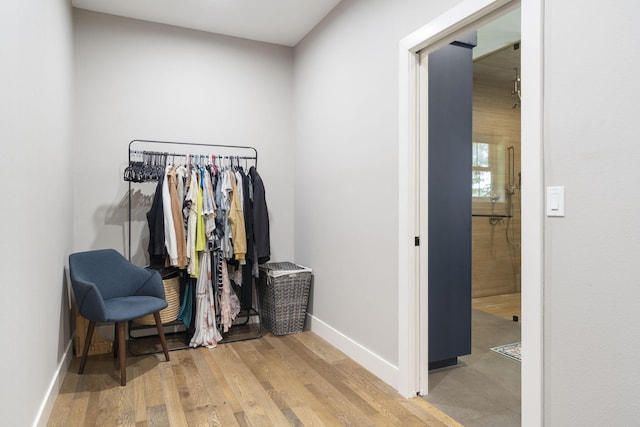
172 295
284 295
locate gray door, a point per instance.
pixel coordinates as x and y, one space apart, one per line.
450 133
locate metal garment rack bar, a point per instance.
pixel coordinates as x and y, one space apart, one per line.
192 144
246 314
185 155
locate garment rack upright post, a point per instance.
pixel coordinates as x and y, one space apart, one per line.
248 314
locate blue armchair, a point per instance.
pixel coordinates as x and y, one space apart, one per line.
108 288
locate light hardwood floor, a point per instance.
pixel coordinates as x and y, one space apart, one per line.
506 305
297 380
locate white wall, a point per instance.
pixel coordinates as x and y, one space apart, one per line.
591 147
36 230
139 80
346 201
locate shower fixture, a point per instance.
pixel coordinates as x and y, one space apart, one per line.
512 186
516 91
512 189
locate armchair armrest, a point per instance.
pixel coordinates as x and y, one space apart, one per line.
89 300
152 287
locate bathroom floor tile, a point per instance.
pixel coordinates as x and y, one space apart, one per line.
484 388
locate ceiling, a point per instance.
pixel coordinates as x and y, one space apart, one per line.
283 22
498 68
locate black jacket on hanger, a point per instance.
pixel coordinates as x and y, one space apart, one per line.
247 209
246 299
260 218
155 218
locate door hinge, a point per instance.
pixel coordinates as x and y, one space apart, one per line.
417 240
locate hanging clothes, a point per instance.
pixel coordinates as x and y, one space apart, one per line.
213 223
186 309
223 191
247 210
155 219
236 219
182 173
209 207
190 203
178 220
260 219
170 239
201 236
246 298
229 303
206 332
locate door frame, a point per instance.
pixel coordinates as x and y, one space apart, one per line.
413 220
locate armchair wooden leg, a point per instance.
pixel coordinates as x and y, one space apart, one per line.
122 350
163 341
115 341
87 343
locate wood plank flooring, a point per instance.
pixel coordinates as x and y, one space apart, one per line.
296 380
506 305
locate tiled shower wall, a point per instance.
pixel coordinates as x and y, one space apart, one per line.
496 262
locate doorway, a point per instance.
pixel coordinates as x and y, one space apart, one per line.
413 372
483 386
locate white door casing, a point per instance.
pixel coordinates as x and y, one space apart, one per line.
412 272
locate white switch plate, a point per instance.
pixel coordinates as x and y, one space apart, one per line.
555 201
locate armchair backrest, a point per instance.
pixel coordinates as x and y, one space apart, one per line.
111 273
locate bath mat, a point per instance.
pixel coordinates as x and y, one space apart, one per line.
512 351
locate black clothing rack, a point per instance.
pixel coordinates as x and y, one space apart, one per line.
246 313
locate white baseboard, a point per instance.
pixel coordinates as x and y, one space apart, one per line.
375 364
52 392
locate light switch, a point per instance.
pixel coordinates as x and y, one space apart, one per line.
555 201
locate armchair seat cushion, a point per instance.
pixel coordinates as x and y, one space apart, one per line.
131 307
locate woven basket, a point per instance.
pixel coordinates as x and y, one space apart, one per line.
284 296
172 295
